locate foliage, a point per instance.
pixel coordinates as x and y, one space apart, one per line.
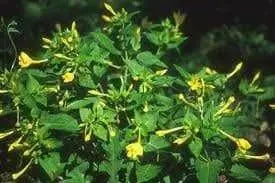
107 107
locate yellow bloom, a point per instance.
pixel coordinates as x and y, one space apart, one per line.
46 40
161 72
68 77
109 8
272 106
237 68
21 172
264 157
182 139
195 84
225 106
134 150
59 55
272 170
25 61
3 135
243 144
106 18
165 132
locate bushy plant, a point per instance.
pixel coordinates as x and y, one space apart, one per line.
112 106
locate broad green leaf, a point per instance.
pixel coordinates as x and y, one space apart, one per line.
37 73
148 59
86 80
59 122
207 172
85 114
147 121
32 85
195 146
100 132
113 163
242 173
41 99
182 72
135 68
156 143
52 165
80 103
77 174
105 42
52 143
145 173
269 178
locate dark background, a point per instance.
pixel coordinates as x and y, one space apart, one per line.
37 18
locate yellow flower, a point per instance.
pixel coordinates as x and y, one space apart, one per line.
46 40
165 132
25 61
106 18
225 106
182 139
264 157
272 106
134 150
243 144
109 8
195 84
161 72
21 172
272 170
236 69
68 77
4 135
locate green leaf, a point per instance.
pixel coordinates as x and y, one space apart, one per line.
80 103
59 122
32 85
52 143
195 146
182 72
105 42
85 114
135 68
145 173
86 80
148 59
156 143
207 172
78 174
113 163
100 132
269 178
41 99
52 165
242 173
147 121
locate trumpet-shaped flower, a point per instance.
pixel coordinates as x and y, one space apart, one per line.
21 172
165 132
236 69
68 77
242 144
25 60
182 139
